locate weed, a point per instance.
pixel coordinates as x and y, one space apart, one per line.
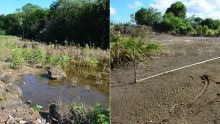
26 53
16 59
53 60
91 61
64 60
36 108
37 56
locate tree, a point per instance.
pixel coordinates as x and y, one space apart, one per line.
148 16
79 22
212 24
178 9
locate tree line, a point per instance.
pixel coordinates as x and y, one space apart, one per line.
174 20
77 22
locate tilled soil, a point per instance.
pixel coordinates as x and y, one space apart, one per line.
150 101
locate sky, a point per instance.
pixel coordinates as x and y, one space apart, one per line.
120 10
9 6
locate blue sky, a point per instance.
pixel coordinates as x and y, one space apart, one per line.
9 6
122 9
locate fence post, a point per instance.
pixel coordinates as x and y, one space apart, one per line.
135 70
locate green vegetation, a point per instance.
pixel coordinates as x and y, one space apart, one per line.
16 58
178 9
147 16
83 114
36 108
122 49
13 50
65 20
175 21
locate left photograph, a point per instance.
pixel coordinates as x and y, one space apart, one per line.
54 62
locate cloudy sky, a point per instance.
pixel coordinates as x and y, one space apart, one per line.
121 10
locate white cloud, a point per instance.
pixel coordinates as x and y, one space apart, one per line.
135 4
113 11
201 8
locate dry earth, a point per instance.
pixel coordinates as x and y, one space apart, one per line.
149 102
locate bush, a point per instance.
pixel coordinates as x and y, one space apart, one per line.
171 23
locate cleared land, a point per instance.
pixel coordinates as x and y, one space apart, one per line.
150 101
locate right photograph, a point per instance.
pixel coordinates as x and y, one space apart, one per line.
165 61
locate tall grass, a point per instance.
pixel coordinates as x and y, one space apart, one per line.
122 49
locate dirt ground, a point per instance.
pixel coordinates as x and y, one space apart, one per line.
150 101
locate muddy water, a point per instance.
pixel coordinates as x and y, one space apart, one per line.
87 85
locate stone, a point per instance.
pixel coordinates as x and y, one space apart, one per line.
7 79
14 89
55 74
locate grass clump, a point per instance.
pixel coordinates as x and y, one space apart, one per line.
64 59
122 49
83 114
17 60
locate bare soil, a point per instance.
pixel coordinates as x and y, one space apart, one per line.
150 101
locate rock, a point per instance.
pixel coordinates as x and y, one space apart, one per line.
14 89
54 114
7 79
54 73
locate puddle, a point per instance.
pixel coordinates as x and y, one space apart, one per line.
43 91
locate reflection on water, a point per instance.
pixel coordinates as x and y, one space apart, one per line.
86 84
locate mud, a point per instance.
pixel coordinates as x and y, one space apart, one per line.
150 101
